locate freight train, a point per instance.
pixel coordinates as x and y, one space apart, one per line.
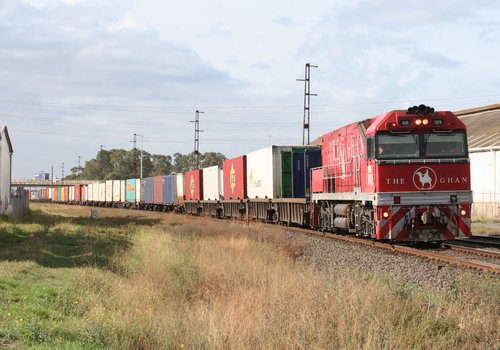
401 176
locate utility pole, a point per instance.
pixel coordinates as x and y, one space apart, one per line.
79 166
142 139
100 155
197 131
134 141
307 101
62 171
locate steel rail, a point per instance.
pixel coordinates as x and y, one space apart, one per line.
476 265
472 251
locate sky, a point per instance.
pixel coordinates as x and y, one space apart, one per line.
76 75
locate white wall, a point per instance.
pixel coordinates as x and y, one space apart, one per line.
485 176
5 172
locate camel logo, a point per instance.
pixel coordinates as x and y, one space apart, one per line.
232 178
130 187
424 178
191 186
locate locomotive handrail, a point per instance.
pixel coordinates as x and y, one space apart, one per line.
423 161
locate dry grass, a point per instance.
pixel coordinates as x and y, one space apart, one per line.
214 286
160 281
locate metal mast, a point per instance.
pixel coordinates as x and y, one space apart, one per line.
307 101
197 131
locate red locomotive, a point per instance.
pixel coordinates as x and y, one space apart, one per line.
402 176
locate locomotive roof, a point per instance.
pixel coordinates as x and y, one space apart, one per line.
483 126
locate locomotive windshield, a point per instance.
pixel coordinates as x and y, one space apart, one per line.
445 145
432 145
397 146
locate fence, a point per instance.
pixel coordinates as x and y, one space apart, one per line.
486 205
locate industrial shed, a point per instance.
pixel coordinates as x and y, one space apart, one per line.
5 169
483 128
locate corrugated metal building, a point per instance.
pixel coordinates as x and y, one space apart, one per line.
483 128
5 169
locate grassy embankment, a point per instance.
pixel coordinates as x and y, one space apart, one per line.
164 281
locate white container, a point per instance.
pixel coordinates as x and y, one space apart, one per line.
84 192
50 192
264 172
123 193
212 183
102 192
95 193
137 190
71 193
109 191
180 187
116 190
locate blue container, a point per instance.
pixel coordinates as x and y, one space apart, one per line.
303 160
170 189
148 189
59 194
130 191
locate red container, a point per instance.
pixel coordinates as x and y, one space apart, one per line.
158 189
193 185
78 193
235 178
66 194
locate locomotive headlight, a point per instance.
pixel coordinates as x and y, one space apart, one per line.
425 121
463 212
418 121
385 214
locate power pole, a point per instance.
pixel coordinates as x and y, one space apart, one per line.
134 141
197 131
62 171
307 101
100 154
79 166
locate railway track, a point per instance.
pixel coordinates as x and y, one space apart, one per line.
424 253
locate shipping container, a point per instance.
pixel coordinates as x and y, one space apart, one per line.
212 183
269 173
116 191
130 191
158 190
109 191
90 196
71 193
59 193
123 185
77 196
180 187
138 195
170 189
83 195
193 185
304 159
101 197
66 194
147 185
235 178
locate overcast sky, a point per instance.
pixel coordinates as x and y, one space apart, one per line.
75 75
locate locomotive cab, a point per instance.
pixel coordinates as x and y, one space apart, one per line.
421 175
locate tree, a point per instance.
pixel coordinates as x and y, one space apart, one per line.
120 164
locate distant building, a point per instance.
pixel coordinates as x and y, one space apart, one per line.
42 175
483 129
5 169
